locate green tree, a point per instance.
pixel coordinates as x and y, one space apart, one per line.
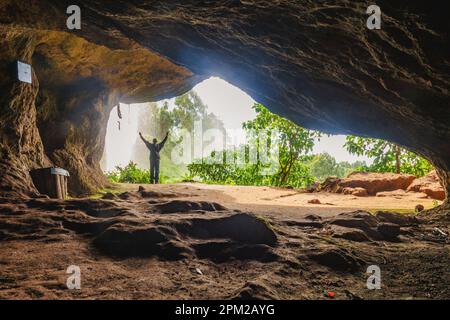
264 132
293 141
324 165
387 156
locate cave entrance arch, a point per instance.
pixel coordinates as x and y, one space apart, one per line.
318 66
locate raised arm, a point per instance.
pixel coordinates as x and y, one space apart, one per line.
143 139
161 145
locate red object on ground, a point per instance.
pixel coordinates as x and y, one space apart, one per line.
329 294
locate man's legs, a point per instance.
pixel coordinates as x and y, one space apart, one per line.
152 172
156 166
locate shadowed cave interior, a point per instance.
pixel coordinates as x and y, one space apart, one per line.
313 62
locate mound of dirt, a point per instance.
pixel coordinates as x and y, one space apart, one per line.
430 185
362 226
243 227
254 290
96 208
397 218
221 251
241 237
180 206
157 194
337 259
371 182
124 240
351 234
356 219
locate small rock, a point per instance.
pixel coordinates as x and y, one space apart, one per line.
199 271
315 201
419 208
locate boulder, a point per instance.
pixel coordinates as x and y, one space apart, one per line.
430 185
371 182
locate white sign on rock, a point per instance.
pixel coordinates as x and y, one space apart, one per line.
24 72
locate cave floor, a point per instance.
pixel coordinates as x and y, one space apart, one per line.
288 203
195 241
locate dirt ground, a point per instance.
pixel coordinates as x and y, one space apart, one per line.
196 241
290 203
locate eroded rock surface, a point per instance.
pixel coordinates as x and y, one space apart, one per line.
128 249
430 185
363 184
372 183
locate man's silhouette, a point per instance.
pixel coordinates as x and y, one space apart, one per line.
154 149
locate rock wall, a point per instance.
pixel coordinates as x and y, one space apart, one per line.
61 118
444 176
314 62
21 148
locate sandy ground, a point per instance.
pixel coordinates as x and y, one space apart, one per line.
287 202
195 241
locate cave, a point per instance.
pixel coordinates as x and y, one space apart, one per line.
313 62
329 72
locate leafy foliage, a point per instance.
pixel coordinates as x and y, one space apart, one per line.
129 174
388 157
324 165
247 174
265 132
292 140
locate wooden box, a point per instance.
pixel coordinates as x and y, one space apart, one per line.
51 181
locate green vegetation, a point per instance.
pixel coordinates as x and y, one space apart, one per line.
388 157
277 152
292 141
292 166
324 165
129 174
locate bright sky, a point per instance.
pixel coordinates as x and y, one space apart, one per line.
232 105
121 138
